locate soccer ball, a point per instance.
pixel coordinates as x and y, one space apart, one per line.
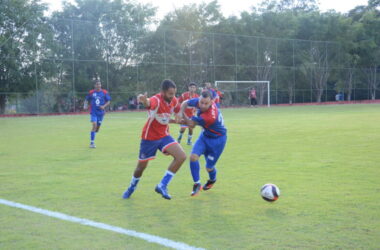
270 192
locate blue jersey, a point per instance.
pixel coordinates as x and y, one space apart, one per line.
211 120
213 92
97 99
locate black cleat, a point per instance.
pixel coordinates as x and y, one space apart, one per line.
209 185
196 189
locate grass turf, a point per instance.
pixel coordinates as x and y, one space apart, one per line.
324 159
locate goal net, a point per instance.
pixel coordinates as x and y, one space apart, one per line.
236 93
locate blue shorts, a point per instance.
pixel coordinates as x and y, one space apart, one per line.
211 148
148 148
97 118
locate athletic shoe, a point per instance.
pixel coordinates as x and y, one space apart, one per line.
196 189
189 143
92 145
163 191
208 185
128 192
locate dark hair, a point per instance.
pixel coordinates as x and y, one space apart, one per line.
192 84
206 94
167 84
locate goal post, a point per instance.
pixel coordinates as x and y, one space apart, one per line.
236 86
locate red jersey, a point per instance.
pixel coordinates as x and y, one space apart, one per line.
189 112
159 114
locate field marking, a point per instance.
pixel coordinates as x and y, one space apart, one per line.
147 237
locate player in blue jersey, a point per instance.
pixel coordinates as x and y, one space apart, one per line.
214 93
99 99
211 141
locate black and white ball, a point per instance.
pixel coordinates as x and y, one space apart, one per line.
270 192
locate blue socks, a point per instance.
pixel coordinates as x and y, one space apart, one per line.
134 181
212 174
194 168
92 136
166 179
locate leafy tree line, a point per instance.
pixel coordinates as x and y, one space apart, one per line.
48 62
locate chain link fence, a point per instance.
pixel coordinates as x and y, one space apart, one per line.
56 78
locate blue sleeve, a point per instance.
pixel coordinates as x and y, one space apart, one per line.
199 120
214 94
108 97
193 102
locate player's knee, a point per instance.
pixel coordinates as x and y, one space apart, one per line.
194 157
181 157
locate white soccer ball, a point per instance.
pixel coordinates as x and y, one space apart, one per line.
270 192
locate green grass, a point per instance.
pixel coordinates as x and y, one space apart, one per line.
325 160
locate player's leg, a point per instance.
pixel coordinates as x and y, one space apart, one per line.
170 147
93 120
99 122
190 136
215 148
181 131
148 151
197 151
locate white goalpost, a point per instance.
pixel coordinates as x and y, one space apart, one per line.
254 83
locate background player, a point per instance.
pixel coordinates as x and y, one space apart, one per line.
99 99
211 141
189 112
214 93
155 136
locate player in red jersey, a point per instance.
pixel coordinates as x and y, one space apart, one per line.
155 136
189 112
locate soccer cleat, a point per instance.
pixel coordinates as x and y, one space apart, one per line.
196 189
163 191
189 143
128 192
92 145
209 185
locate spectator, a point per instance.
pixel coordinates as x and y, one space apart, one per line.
252 97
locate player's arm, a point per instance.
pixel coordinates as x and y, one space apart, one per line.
86 100
105 105
85 105
143 98
183 118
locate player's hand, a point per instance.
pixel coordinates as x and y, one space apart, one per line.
142 98
101 107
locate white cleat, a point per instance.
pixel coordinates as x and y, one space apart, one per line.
92 145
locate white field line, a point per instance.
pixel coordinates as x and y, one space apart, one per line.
147 237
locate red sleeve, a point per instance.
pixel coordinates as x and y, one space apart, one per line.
180 99
177 107
153 103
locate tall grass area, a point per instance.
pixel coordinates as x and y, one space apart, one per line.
324 159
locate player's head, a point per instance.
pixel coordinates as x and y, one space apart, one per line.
168 89
97 84
205 101
192 87
208 85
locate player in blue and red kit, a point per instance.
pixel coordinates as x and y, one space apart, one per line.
214 93
99 99
211 141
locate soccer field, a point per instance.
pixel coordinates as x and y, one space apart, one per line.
324 159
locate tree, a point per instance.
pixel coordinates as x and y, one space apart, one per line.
22 30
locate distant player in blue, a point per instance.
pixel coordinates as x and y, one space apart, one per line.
99 99
211 141
214 94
